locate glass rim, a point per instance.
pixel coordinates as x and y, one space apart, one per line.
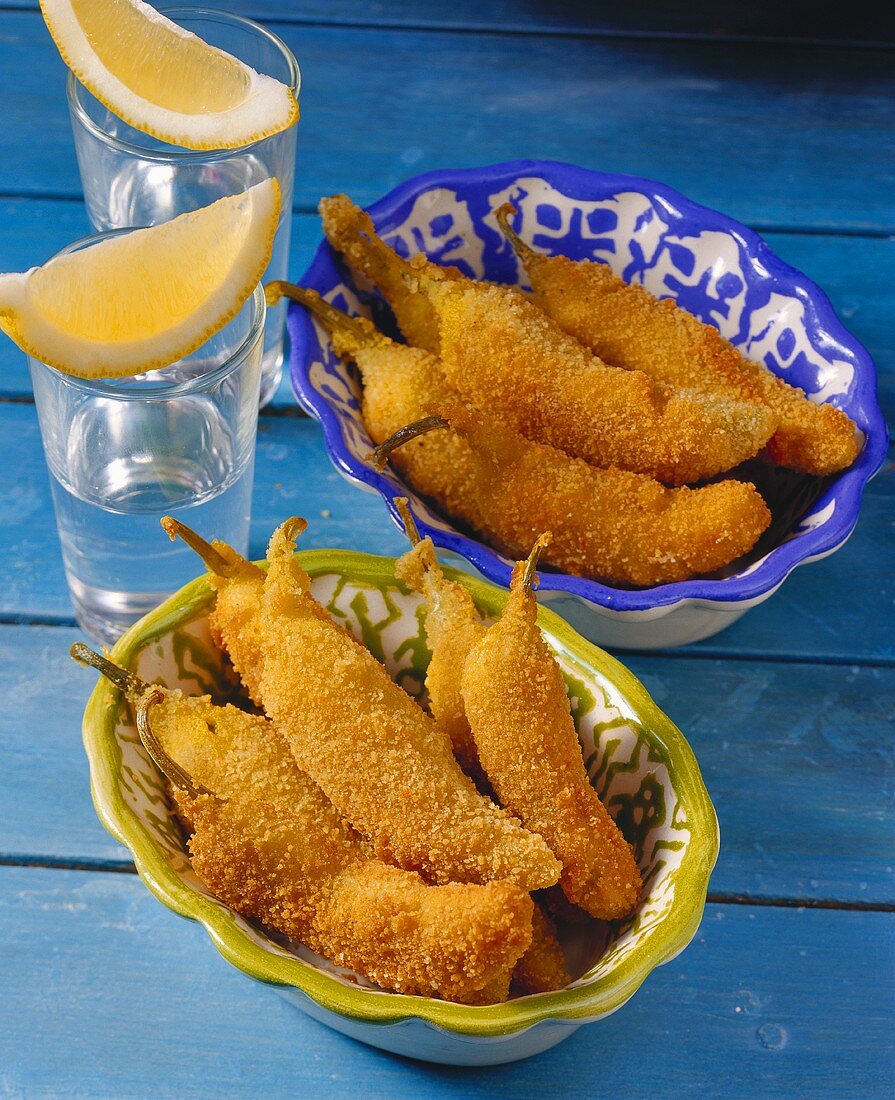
108 388
74 87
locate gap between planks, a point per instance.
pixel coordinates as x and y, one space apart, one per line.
308 209
502 30
126 868
704 654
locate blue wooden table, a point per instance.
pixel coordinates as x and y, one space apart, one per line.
784 121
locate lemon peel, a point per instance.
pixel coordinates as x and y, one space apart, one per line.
164 80
142 300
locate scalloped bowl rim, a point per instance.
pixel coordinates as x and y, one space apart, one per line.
576 1006
714 592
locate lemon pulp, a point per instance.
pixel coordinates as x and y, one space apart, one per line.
138 302
164 80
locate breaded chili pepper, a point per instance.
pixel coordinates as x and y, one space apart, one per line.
519 714
233 620
350 231
611 525
625 325
270 845
385 764
453 627
502 352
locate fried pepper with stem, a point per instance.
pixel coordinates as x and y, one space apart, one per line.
625 325
234 619
270 845
519 713
350 231
497 846
611 525
385 764
453 627
503 353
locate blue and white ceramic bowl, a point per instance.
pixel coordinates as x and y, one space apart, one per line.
714 267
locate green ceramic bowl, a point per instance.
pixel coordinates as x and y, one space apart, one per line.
637 759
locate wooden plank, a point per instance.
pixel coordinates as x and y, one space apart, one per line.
798 759
857 273
779 129
48 811
761 19
824 610
784 1002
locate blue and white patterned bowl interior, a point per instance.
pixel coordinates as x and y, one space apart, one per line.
711 265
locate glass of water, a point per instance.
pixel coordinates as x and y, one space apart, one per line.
132 179
124 452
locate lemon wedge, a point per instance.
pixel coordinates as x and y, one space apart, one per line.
164 80
142 300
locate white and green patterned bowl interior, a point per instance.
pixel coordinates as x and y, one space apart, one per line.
637 760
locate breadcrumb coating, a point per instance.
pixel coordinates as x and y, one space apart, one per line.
518 710
233 621
292 868
610 525
625 325
386 765
542 968
350 231
227 751
453 627
271 845
462 836
502 352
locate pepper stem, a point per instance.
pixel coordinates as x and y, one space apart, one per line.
282 542
171 770
123 679
293 528
410 528
380 456
522 250
333 318
213 558
529 577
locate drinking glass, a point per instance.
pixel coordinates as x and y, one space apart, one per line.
123 452
132 179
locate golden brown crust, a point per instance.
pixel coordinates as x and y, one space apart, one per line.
611 525
385 764
292 870
626 326
350 231
470 937
518 711
542 968
271 845
499 350
453 627
502 352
